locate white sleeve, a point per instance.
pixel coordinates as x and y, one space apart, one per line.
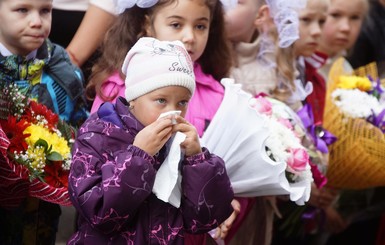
71 5
107 5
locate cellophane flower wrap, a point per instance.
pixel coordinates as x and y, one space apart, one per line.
35 154
354 113
262 153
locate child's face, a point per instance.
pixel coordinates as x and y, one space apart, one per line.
184 20
148 107
342 26
24 24
240 21
311 20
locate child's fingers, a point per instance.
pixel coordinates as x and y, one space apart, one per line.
180 119
191 144
217 233
236 206
153 137
228 223
161 127
183 126
163 122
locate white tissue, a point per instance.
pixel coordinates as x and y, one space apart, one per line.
167 186
168 179
175 113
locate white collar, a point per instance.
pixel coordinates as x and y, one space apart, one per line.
5 52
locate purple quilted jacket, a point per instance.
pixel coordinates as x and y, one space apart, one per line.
111 180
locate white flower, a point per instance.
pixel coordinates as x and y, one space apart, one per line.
281 139
356 103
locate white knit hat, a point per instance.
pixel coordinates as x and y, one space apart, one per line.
151 64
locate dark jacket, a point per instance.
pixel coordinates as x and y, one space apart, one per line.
50 78
111 182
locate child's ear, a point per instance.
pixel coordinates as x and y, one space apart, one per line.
147 27
263 16
132 104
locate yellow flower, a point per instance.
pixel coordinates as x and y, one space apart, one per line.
59 144
353 82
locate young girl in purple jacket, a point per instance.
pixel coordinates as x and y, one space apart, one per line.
198 24
120 148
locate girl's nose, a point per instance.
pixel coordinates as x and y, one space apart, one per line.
188 35
172 107
345 25
316 30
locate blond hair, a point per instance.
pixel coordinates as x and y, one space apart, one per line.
285 65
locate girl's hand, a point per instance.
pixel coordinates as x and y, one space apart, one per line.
328 196
223 229
190 145
335 223
322 198
153 137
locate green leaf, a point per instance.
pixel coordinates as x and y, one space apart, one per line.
42 143
55 156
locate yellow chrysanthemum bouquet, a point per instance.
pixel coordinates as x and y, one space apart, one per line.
35 150
355 114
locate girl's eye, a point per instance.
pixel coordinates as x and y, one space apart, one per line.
183 103
306 19
335 15
201 27
175 25
321 22
161 101
355 17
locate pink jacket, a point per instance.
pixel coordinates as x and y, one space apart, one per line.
205 102
112 87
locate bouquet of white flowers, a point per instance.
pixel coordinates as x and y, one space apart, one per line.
262 152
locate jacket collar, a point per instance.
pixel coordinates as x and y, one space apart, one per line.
206 80
129 120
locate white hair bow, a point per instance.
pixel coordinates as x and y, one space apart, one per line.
229 4
286 19
122 5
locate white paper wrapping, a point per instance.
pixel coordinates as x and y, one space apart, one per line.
237 134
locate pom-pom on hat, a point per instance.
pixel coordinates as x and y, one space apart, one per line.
152 64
